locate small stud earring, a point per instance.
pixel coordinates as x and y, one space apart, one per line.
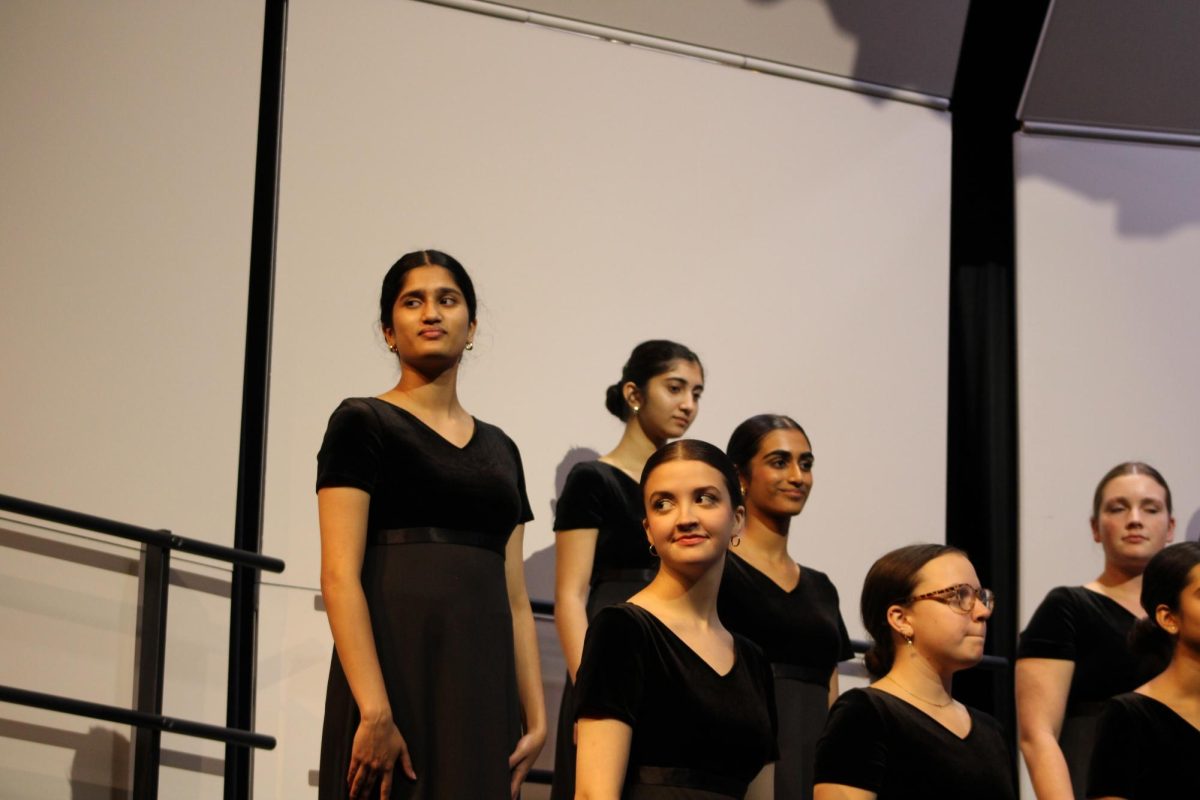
392 347
470 345
636 409
908 639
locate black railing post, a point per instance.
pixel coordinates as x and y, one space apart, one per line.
153 580
256 374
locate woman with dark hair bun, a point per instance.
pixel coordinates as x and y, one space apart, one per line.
1148 740
434 691
671 705
600 547
905 736
1073 656
790 611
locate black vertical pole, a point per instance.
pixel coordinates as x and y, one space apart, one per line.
243 615
153 582
981 486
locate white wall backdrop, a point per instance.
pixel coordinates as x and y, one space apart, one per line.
794 236
1108 295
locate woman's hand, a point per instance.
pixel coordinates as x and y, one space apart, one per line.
377 745
522 758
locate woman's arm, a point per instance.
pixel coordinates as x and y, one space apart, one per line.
763 785
836 791
529 669
602 758
377 742
1042 687
833 687
574 553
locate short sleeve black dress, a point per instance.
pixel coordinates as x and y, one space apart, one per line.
433 574
802 634
1144 751
598 496
1079 625
697 735
879 743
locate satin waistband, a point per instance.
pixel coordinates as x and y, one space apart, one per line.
802 672
690 779
607 575
389 536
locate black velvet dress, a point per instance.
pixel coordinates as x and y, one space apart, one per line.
600 496
433 574
802 634
697 735
1144 751
879 743
1079 625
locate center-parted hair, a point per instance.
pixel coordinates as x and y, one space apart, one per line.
745 439
393 281
1129 468
696 450
1163 583
647 360
891 580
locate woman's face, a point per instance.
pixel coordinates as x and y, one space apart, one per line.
780 474
430 320
1133 523
670 402
944 634
689 515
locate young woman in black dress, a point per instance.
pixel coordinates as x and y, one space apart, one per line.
435 690
790 611
600 547
671 705
1148 740
1073 656
905 736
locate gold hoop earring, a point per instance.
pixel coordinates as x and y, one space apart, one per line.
735 541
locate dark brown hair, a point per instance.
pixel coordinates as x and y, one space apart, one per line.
744 441
393 281
1163 583
1128 468
647 360
696 450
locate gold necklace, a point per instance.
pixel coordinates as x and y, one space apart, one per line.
914 694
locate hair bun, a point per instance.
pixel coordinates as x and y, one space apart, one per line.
614 401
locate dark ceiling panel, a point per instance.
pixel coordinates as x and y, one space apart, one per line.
1118 64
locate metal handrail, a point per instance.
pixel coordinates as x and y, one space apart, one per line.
142 719
123 530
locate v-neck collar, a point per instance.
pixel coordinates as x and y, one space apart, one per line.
764 576
667 628
431 431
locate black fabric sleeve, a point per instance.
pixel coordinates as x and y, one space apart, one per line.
351 453
526 509
853 750
611 679
1115 755
845 649
768 683
581 504
1053 629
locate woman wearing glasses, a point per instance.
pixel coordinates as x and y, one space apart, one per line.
905 735
1148 739
790 611
1073 656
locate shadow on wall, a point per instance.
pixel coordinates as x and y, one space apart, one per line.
100 768
1192 532
909 46
1152 195
539 567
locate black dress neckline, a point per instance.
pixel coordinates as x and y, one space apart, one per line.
679 640
425 426
768 578
925 716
